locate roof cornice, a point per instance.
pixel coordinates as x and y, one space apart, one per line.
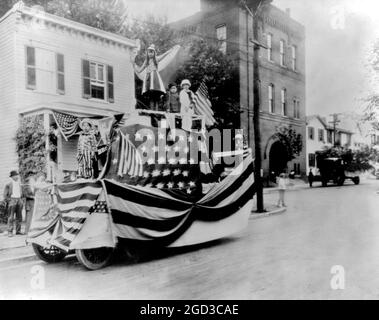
50 19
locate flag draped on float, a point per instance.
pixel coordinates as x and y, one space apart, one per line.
67 123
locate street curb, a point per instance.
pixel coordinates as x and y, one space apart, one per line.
13 260
273 190
254 215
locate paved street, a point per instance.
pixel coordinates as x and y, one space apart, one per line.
288 255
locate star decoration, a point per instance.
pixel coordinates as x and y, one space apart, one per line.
138 136
185 173
149 185
180 185
114 161
151 161
166 172
161 136
167 148
143 148
160 185
117 138
186 150
156 173
188 190
161 160
181 138
170 185
155 149
146 174
192 161
176 149
192 184
190 139
176 172
183 161
150 137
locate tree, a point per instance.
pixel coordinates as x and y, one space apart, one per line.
208 63
291 140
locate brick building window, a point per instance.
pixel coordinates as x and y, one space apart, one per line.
282 53
271 98
311 133
294 58
283 96
269 47
221 37
296 109
320 135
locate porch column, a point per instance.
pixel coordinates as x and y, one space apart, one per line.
46 126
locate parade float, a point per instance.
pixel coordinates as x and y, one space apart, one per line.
156 185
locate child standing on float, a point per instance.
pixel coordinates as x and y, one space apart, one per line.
87 147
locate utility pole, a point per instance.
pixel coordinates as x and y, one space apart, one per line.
257 133
334 122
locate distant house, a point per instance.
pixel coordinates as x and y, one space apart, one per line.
321 134
52 64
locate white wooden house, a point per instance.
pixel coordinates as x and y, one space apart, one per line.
48 64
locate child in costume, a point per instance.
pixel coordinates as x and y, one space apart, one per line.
87 147
187 103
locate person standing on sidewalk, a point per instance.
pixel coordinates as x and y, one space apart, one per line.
310 177
13 194
282 186
29 201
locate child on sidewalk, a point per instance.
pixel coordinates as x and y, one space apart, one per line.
282 185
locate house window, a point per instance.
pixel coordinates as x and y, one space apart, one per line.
44 70
282 54
294 58
221 37
259 94
97 81
60 73
320 135
284 101
329 136
311 159
271 95
31 81
311 133
269 47
296 109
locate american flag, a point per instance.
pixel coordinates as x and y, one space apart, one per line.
203 106
68 124
167 164
75 202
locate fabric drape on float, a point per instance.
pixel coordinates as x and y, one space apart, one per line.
152 214
68 124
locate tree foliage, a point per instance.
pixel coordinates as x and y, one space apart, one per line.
291 140
30 146
208 63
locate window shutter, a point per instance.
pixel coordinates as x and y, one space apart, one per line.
30 68
110 84
86 79
60 73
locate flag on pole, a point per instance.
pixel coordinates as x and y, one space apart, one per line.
203 106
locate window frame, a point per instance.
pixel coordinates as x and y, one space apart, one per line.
283 102
221 37
321 135
282 50
296 108
311 133
269 47
60 73
271 98
294 58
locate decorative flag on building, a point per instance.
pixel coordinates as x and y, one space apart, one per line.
203 106
67 123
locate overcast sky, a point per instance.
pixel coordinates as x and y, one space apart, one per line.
339 35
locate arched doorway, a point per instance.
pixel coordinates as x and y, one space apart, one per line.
277 158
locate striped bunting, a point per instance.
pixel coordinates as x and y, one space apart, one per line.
130 161
203 105
142 213
74 202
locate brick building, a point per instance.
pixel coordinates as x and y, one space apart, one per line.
229 24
